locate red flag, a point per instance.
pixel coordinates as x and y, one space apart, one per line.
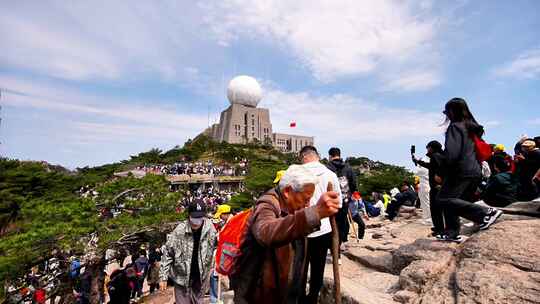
293 124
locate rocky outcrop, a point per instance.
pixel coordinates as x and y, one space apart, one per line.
499 265
398 263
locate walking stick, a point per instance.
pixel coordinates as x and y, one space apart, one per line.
351 222
335 254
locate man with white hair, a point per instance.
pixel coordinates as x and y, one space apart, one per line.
281 216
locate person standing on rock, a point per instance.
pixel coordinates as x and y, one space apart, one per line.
347 182
319 242
462 172
358 211
436 159
281 216
188 255
221 217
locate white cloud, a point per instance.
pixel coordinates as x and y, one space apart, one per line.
126 41
343 118
414 81
333 39
492 123
102 40
117 119
524 66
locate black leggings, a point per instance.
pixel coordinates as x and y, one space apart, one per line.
343 223
454 198
436 210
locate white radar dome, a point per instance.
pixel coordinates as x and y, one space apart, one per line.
244 90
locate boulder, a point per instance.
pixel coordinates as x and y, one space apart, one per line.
422 249
522 210
378 260
501 265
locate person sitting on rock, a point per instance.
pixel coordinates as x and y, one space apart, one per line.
402 202
527 167
501 189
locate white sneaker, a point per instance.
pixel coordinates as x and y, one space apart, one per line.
339 261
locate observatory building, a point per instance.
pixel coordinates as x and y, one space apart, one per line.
242 122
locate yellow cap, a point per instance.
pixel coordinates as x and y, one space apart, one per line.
499 148
279 174
221 210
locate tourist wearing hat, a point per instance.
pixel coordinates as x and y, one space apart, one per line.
279 174
188 255
221 217
527 168
357 208
499 151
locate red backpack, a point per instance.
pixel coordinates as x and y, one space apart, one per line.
482 148
230 239
232 236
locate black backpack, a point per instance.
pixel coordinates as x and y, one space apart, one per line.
344 186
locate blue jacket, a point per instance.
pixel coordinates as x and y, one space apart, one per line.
356 206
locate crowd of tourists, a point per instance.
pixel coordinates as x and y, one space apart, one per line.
469 170
263 268
37 284
125 275
203 168
254 248
210 197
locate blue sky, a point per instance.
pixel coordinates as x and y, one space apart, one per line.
87 83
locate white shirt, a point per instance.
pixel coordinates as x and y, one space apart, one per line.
324 175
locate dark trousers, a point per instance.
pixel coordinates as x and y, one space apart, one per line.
316 257
140 284
454 198
343 223
437 216
153 286
393 208
361 225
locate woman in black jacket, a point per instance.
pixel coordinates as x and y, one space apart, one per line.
462 172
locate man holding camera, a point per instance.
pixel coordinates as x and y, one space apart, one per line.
436 159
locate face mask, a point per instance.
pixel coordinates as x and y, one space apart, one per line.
196 221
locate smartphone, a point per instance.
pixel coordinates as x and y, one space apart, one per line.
413 149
